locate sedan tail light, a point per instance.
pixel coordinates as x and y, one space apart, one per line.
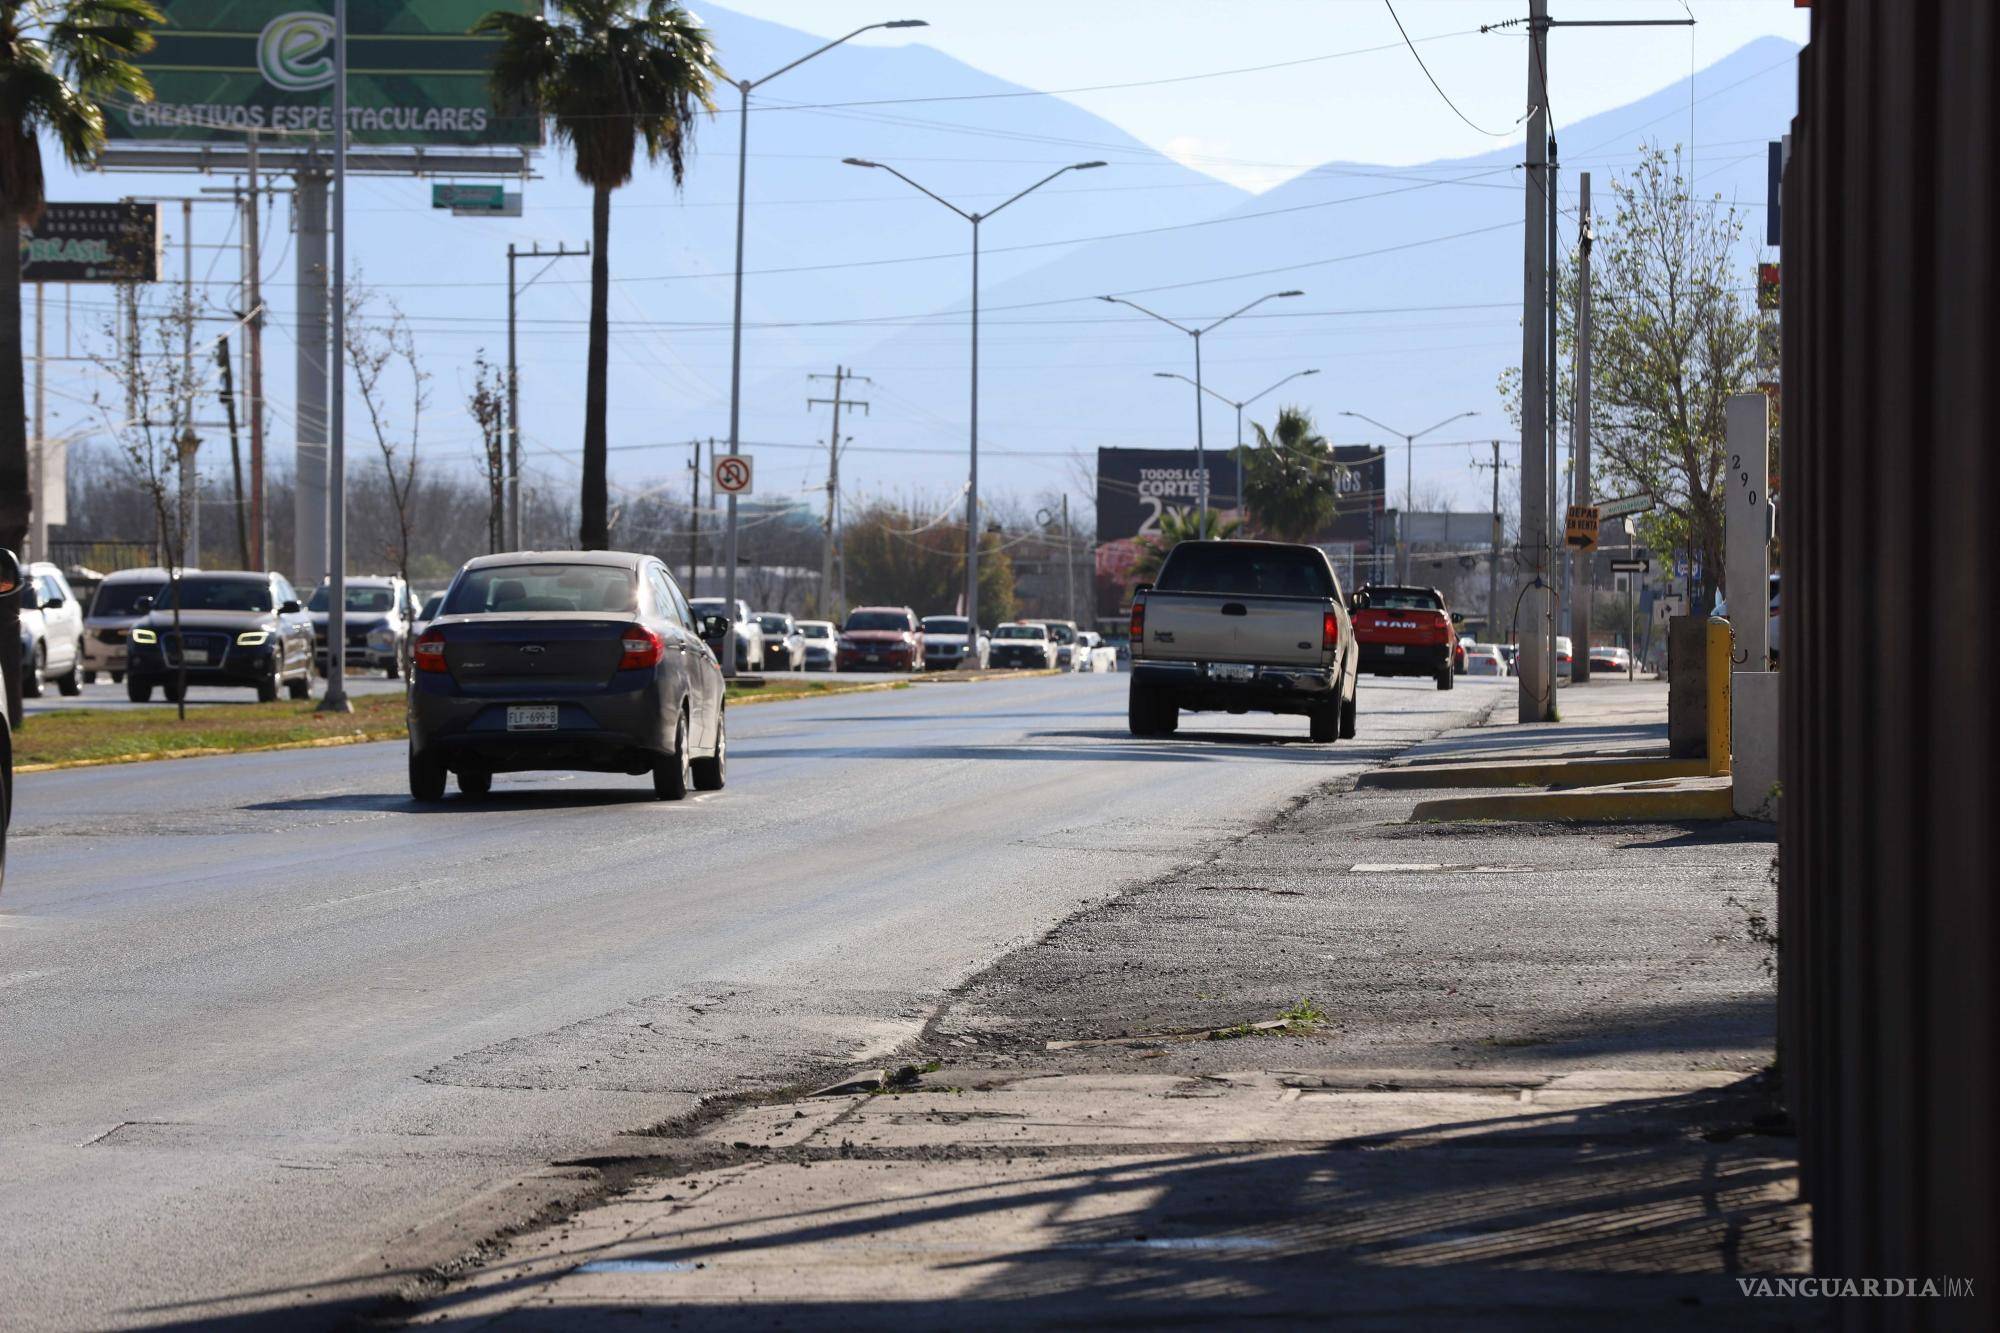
643 647
428 654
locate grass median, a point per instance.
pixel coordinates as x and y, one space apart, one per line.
74 737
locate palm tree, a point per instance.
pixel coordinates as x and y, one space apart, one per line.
1177 526
609 75
57 62
1290 480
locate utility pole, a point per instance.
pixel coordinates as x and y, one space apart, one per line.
38 455
1579 629
694 513
1069 561
515 500
335 699
840 377
189 443
1537 695
309 566
227 391
1493 558
253 296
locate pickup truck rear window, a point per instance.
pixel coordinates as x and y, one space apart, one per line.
1252 571
1404 599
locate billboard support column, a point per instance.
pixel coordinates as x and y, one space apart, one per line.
38 456
309 504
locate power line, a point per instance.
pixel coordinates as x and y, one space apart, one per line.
1494 134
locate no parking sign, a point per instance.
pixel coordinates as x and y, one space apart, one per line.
731 474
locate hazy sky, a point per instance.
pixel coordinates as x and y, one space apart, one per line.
1257 129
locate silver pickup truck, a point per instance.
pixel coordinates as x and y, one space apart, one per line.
1240 627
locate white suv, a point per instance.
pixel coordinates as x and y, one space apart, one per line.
51 632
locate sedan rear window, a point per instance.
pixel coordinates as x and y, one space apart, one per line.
513 589
1248 570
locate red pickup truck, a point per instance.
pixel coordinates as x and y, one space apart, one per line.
1404 632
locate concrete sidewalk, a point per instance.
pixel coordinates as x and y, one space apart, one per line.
1509 1198
1607 759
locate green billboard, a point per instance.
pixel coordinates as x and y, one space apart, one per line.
415 75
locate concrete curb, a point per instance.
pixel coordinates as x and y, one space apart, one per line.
1586 772
1635 804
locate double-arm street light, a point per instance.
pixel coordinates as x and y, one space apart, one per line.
743 88
1200 441
972 482
1409 483
1239 406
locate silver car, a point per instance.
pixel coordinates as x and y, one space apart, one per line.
51 632
122 600
821 640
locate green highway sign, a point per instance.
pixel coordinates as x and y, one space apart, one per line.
1631 504
470 198
415 75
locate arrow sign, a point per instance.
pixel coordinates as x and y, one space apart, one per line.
731 474
1582 527
1631 566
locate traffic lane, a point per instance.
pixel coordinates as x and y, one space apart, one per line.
104 694
263 1015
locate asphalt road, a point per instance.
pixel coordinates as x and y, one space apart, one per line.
262 1020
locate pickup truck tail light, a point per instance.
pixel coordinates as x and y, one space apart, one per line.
643 647
1329 637
1138 627
428 653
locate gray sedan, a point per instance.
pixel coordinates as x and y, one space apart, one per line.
587 660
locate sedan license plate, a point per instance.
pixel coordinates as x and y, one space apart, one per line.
1392 649
1231 671
197 657
531 717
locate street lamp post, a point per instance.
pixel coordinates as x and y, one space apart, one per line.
743 88
1200 440
1409 481
972 480
1239 406
335 699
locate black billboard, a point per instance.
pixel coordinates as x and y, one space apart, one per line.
114 242
1360 482
1135 486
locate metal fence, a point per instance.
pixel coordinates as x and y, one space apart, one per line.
1890 850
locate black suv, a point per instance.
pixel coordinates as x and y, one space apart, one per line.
236 628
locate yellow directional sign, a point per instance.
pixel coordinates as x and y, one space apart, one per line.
1582 530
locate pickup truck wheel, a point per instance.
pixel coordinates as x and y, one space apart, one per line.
1325 724
1348 708
1444 679
1148 714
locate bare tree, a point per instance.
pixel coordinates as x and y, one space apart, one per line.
152 431
380 346
488 405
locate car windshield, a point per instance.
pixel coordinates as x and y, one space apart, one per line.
711 606
122 599
814 630
431 605
1245 570
367 600
879 620
197 593
513 589
1404 599
1062 634
773 625
1020 632
944 624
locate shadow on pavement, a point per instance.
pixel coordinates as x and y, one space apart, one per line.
1636 1211
539 798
